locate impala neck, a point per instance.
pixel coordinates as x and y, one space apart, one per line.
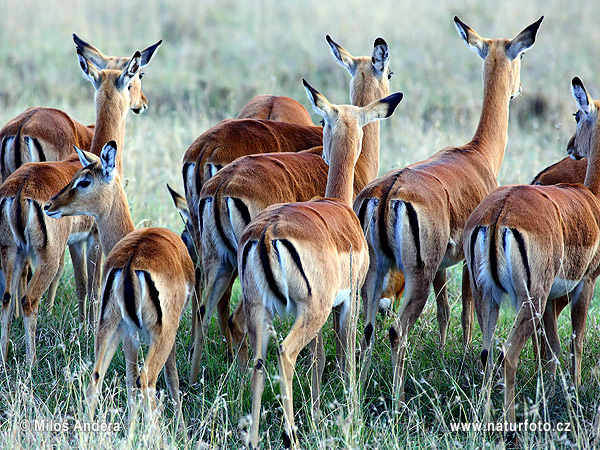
592 174
110 125
491 134
340 177
368 160
115 222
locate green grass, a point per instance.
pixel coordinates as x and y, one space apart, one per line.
215 56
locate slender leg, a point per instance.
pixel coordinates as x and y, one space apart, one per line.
94 275
40 281
107 341
13 265
552 341
78 257
417 290
237 327
525 324
307 325
51 295
172 380
218 278
130 348
579 312
440 287
371 294
223 315
259 324
467 307
317 352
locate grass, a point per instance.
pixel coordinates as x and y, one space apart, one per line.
215 56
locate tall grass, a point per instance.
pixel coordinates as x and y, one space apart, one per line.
214 57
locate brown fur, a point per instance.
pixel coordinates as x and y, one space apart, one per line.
158 252
566 170
433 199
40 181
258 181
553 233
277 108
309 251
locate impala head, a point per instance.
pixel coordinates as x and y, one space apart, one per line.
343 123
92 188
138 101
586 117
186 234
371 74
500 53
121 87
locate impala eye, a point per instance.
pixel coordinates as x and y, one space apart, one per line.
322 122
83 184
576 116
142 75
390 75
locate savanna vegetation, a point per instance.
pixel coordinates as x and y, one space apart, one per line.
215 56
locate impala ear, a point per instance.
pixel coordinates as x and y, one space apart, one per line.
147 53
380 109
180 203
524 40
320 104
89 70
91 53
581 96
109 158
475 42
132 69
86 158
381 56
342 57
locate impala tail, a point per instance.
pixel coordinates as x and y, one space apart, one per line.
497 259
125 294
18 149
26 220
277 269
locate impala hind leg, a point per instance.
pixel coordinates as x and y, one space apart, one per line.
131 350
317 352
51 295
307 325
579 312
466 317
551 342
172 380
440 288
158 354
13 265
107 340
219 277
237 328
78 257
259 323
527 320
371 294
40 281
415 297
223 315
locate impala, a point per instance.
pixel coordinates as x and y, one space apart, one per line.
277 108
307 258
414 217
48 134
148 276
535 244
25 235
237 193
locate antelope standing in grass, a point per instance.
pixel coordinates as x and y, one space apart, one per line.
26 236
277 108
536 244
307 258
237 193
148 276
414 217
47 134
